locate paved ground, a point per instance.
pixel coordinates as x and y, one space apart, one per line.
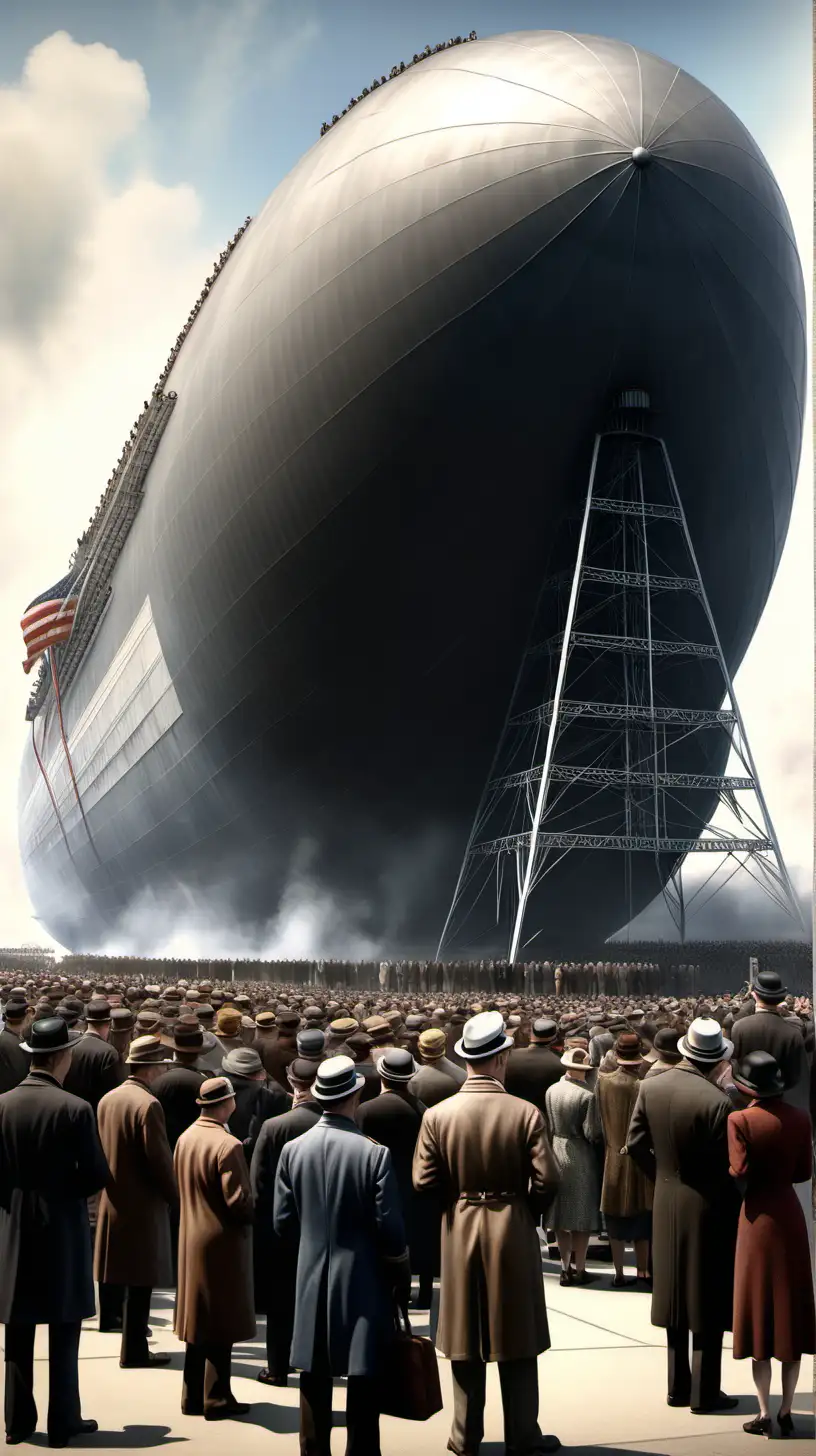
602 1389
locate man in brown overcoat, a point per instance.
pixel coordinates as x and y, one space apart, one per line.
678 1136
215 1306
488 1156
132 1255
626 1193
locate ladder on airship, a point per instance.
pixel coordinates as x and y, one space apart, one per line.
628 770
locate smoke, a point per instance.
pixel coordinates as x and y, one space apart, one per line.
739 911
310 923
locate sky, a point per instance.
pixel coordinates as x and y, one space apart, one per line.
134 139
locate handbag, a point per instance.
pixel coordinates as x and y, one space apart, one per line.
410 1388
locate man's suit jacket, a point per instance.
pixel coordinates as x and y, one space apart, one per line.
51 1163
13 1060
767 1031
678 1136
177 1090
254 1103
431 1085
96 1068
337 1203
531 1071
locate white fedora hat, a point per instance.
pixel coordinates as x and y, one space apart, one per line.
704 1042
483 1036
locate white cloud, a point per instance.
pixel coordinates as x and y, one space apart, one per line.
96 277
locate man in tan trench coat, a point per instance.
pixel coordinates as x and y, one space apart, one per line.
132 1255
488 1156
215 1304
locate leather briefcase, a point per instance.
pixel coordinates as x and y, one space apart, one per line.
410 1388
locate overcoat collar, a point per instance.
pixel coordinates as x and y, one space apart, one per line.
480 1083
44 1078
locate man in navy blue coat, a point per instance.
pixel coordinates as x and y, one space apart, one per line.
336 1193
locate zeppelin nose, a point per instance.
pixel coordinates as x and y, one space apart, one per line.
641 156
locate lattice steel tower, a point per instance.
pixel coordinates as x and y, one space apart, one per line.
600 751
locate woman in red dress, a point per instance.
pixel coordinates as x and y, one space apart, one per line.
770 1149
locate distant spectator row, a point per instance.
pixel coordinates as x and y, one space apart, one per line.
395 71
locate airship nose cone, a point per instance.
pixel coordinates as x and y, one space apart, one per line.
641 156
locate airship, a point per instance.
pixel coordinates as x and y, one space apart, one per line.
315 578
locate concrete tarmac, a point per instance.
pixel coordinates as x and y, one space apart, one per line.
603 1388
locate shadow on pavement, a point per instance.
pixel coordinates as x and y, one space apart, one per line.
130 1438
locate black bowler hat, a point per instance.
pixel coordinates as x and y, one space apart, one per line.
768 987
49 1035
759 1074
544 1029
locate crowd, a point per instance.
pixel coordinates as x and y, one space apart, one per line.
190 1135
444 45
653 967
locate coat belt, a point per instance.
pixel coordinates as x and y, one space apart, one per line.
484 1197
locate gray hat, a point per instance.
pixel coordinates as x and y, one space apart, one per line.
241 1062
310 1043
397 1065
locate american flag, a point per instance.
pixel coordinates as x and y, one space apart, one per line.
49 620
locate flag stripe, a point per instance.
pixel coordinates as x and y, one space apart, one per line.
48 609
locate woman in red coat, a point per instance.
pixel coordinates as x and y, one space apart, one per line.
769 1145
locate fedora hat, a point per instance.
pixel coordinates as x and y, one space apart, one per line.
628 1048
187 1035
665 1044
577 1057
97 1011
704 1042
337 1078
483 1036
50 1034
768 987
242 1062
759 1074
147 1051
302 1070
397 1065
214 1090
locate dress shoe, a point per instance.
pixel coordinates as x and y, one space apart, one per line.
227 1412
566 1277
547 1443
786 1426
61 1438
112 1327
759 1426
678 1400
721 1402
267 1378
584 1277
620 1281
147 1363
14 1438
